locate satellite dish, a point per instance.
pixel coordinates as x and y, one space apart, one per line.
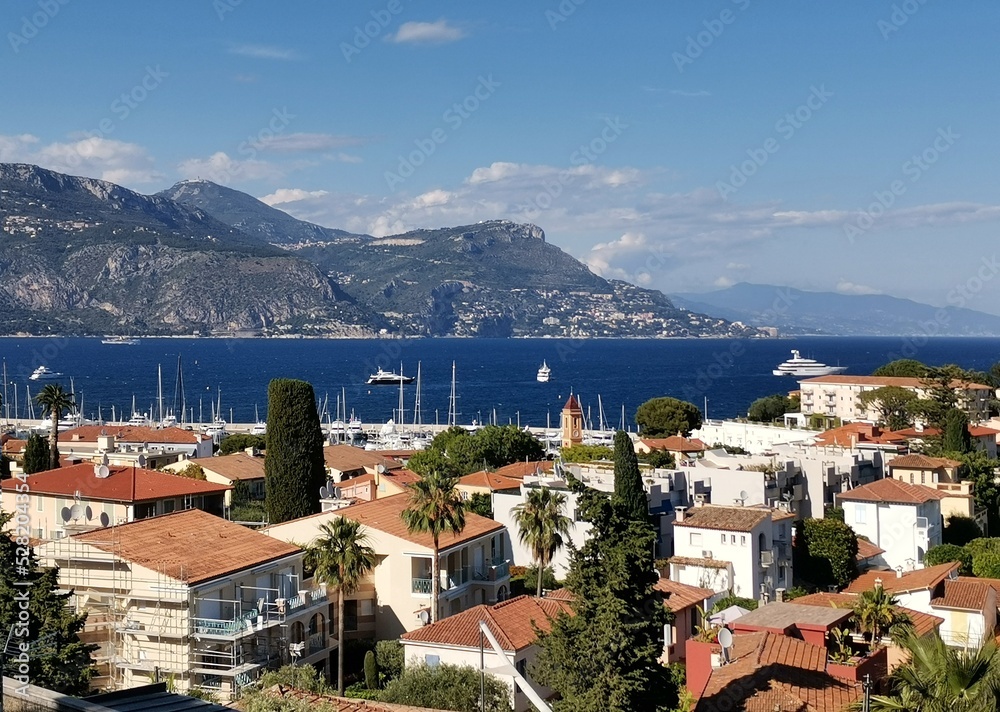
103 471
425 616
744 496
141 461
105 519
65 514
324 493
76 512
725 638
89 512
380 468
787 496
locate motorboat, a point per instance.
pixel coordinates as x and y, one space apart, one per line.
383 377
798 366
43 373
120 341
544 373
259 428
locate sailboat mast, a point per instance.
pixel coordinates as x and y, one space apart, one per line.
159 392
399 418
452 409
416 402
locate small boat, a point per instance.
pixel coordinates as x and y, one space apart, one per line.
798 366
259 428
383 377
544 373
43 374
120 341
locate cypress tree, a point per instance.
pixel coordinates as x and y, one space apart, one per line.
36 455
293 469
956 432
630 496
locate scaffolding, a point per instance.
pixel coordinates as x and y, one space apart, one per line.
151 626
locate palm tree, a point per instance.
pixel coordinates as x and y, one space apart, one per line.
877 614
54 401
435 508
341 557
542 526
939 678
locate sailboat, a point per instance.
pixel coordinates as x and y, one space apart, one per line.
259 426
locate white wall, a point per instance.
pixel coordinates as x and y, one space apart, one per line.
755 438
893 528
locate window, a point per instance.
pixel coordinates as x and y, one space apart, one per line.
367 607
522 667
144 510
923 478
732 540
351 616
859 514
39 504
695 538
911 478
168 506
743 541
432 660
723 538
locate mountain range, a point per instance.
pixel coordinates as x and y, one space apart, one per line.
795 311
84 256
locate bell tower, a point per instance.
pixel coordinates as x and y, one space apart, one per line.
572 422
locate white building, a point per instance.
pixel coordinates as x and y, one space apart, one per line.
754 541
755 438
456 640
903 520
87 440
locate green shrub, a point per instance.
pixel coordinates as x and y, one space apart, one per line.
389 657
371 671
944 553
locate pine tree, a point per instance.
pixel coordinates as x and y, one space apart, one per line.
36 455
57 660
630 495
294 469
606 656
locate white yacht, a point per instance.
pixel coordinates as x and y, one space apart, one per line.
383 377
120 341
798 366
544 373
43 374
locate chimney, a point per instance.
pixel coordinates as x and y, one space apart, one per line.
680 513
779 595
899 572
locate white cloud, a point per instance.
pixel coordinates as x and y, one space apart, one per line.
691 94
257 51
116 161
737 266
307 142
846 287
427 33
222 169
291 195
723 282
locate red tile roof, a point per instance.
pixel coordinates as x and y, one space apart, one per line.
919 580
773 671
237 466
851 434
512 622
191 546
733 519
402 477
123 484
675 443
520 470
573 404
891 491
132 434
705 563
385 514
678 596
923 623
491 481
963 594
878 381
345 458
339 704
916 461
867 550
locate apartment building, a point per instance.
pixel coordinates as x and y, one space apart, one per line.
194 599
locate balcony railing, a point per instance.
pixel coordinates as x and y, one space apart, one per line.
497 571
422 585
317 642
243 622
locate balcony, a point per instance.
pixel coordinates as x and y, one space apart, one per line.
497 571
247 618
316 643
421 585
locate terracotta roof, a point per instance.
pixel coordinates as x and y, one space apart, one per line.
916 461
403 477
339 704
781 615
706 563
851 434
345 458
572 404
385 514
891 491
675 443
132 434
979 431
976 431
923 623
867 550
490 480
561 594
237 466
13 446
520 470
776 672
191 546
878 381
734 519
511 622
396 454
919 580
991 582
678 596
963 594
123 484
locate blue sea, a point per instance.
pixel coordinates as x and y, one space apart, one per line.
492 376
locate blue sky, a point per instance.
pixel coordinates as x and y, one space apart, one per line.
838 146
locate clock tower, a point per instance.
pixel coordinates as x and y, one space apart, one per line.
572 422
